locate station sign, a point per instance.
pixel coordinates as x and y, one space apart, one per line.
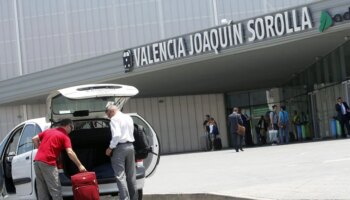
230 35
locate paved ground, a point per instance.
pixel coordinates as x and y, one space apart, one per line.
318 170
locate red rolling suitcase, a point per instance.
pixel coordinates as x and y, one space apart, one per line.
85 186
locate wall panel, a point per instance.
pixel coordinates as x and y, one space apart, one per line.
178 120
36 111
185 118
192 124
199 118
243 9
9 67
179 132
10 116
171 124
164 130
155 122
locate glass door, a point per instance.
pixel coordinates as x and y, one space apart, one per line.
315 120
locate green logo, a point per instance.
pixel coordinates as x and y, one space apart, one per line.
325 22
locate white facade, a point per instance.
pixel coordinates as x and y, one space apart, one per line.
41 34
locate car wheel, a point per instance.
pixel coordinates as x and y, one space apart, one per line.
140 194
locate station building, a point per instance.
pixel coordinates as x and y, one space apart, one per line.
188 58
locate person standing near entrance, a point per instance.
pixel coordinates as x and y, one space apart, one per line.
283 123
207 130
274 118
50 143
246 123
214 132
297 126
122 153
261 130
343 115
273 125
233 120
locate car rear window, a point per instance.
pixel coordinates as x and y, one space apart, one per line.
61 105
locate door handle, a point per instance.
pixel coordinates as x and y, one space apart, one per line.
27 158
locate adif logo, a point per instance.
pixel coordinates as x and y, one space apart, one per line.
326 20
127 60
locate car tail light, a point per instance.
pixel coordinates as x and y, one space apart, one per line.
139 163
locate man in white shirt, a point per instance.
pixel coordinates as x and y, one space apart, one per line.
122 153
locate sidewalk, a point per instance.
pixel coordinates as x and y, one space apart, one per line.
318 170
189 197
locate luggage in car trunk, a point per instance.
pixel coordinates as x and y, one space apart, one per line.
84 186
90 146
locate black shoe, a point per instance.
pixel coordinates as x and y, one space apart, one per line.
241 149
237 150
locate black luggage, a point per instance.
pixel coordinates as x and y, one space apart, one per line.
141 143
217 143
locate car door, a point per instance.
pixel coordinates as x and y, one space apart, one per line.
152 159
10 145
2 173
22 163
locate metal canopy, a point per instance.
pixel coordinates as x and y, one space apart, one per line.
262 65
266 67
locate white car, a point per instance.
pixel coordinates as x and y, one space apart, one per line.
85 105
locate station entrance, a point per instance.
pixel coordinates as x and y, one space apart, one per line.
310 94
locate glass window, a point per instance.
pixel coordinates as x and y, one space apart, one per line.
63 105
325 67
238 100
347 58
258 97
12 147
3 143
25 143
335 66
319 72
310 77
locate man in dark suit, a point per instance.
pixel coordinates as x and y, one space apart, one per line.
233 120
343 115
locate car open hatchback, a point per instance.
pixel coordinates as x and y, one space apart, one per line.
85 105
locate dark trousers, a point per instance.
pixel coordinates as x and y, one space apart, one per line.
344 121
248 137
261 135
209 141
237 139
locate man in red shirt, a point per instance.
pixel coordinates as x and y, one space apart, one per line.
50 143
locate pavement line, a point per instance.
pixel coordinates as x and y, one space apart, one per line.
337 160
